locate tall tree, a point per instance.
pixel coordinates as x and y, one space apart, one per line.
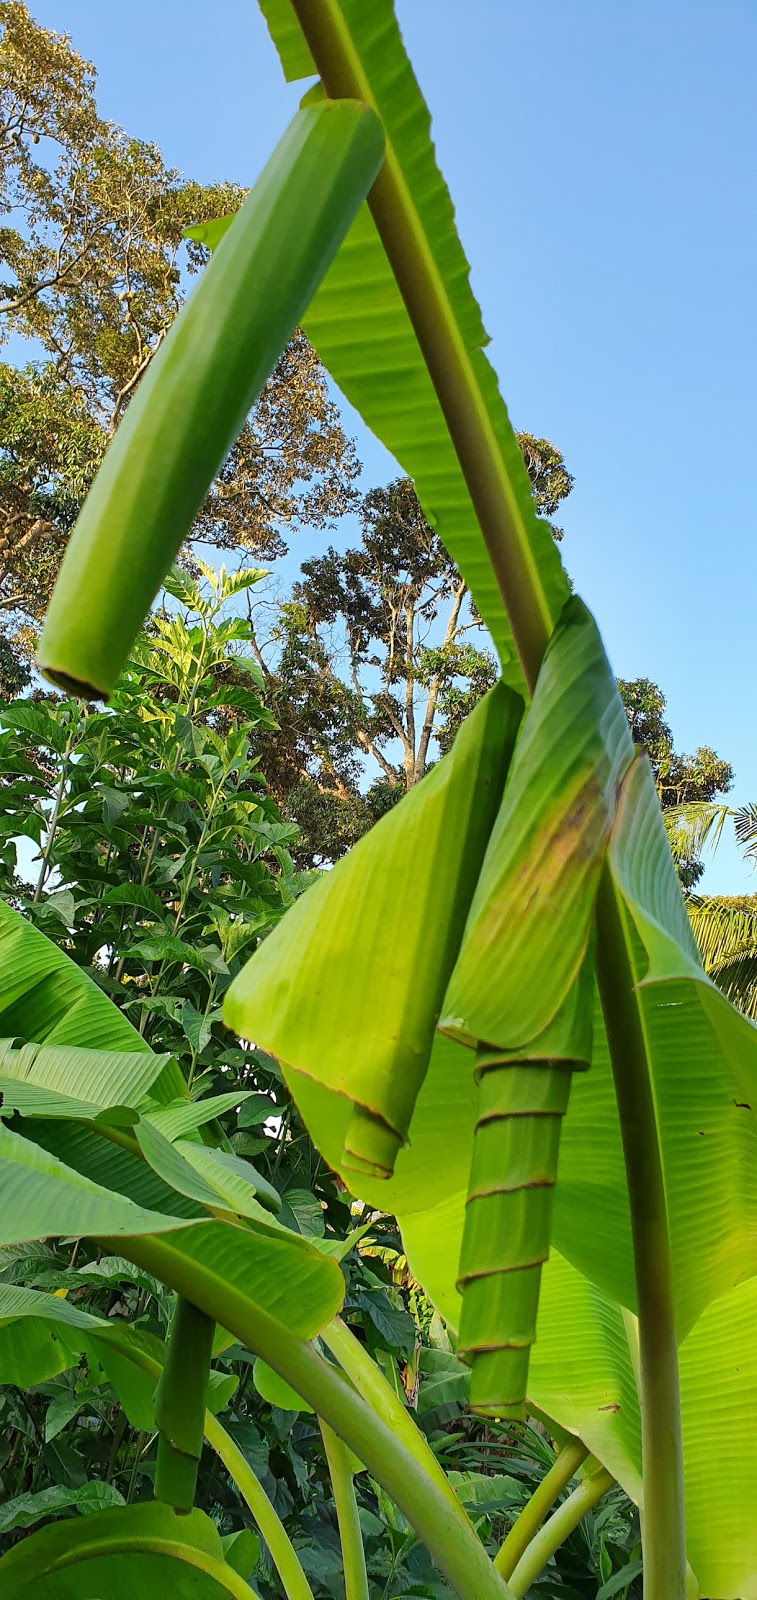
379 658
93 270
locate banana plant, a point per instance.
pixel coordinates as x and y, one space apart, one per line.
548 999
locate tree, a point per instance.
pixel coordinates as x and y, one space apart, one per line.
380 659
94 266
682 781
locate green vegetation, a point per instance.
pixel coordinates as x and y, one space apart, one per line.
296 1297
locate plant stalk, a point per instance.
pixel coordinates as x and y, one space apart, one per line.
444 349
526 1525
350 1533
282 1551
664 1528
456 1550
556 1530
369 1381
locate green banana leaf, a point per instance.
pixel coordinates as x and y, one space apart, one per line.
54 1081
74 1181
263 1262
32 1351
128 1354
531 917
346 991
703 1062
144 1550
35 1325
582 1374
47 998
361 330
203 1175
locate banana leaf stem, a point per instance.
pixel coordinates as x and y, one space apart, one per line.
350 1532
367 1377
282 1551
556 1530
664 1530
444 349
535 1510
455 1548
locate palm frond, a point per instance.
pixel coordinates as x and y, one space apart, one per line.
727 940
696 825
745 828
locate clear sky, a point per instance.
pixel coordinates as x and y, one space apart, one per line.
602 160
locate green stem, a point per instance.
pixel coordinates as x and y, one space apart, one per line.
664 1529
552 1535
350 1533
369 1381
282 1551
449 361
535 1510
53 826
456 1549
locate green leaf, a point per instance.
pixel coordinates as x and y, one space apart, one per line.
620 1580
346 991
44 996
257 1109
32 1353
181 1117
61 1410
361 330
32 1100
144 1549
96 1078
531 916
202 1175
242 1551
275 1389
44 1198
307 1211
199 389
134 894
26 1509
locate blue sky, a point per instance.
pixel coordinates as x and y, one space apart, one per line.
601 158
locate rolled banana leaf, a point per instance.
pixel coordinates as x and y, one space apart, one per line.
346 991
531 916
521 994
522 1100
199 387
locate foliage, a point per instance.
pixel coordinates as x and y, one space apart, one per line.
95 267
553 937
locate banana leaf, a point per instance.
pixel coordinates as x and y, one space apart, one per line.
146 1550
46 998
358 324
346 991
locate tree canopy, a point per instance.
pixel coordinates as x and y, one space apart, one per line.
94 268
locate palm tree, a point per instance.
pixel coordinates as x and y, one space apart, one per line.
725 926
